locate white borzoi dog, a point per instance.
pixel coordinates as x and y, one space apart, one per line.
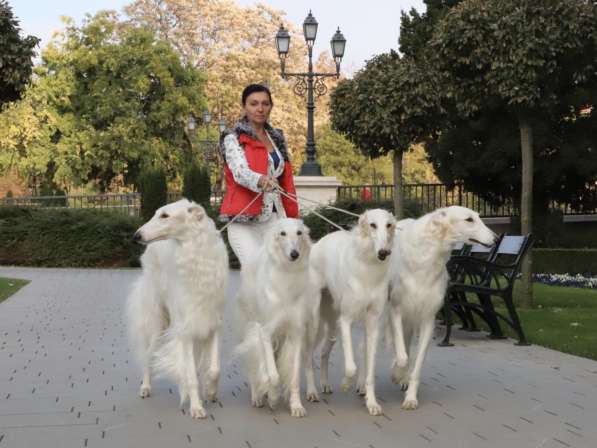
351 268
175 309
274 301
418 282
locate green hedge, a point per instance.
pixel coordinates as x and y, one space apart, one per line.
67 238
561 261
73 238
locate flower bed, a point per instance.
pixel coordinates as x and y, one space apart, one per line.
576 280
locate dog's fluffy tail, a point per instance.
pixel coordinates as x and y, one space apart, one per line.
171 361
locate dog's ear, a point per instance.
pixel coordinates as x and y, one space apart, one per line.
196 211
440 220
363 224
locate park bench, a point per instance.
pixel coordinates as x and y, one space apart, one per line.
485 274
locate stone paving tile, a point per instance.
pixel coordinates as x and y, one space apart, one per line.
68 379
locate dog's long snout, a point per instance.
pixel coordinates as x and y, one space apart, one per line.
382 254
294 254
137 236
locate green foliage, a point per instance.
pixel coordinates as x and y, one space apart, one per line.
197 185
320 228
339 157
154 191
484 153
110 99
503 63
389 105
562 261
67 238
16 56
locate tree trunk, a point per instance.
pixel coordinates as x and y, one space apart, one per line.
526 207
398 193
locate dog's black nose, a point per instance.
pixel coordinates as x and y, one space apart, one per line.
294 254
383 253
137 237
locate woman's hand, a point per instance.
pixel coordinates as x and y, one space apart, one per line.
267 183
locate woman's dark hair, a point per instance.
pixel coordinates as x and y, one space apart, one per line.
252 88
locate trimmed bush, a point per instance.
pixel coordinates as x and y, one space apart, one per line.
562 261
154 192
67 238
196 185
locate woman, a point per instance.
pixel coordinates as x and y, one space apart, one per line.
256 161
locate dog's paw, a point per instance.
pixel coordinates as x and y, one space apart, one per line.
374 408
399 373
145 391
313 397
273 397
347 383
197 412
326 389
298 411
410 404
257 402
361 390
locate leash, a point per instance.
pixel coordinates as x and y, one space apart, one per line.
240 213
293 198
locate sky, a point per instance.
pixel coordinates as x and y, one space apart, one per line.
370 27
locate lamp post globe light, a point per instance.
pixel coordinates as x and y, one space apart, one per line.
310 82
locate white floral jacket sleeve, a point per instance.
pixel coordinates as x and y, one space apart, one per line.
237 162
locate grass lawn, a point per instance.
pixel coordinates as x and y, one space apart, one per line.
8 286
562 318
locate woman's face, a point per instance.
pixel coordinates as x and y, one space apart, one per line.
258 107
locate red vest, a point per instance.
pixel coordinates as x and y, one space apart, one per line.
238 197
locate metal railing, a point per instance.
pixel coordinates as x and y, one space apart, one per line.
427 196
431 196
123 203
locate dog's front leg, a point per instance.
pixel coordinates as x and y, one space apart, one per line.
212 376
372 333
400 365
350 368
191 381
296 407
310 341
425 334
273 393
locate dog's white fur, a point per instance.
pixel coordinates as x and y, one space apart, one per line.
351 268
175 309
418 282
273 303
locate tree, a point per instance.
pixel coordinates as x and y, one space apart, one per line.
115 100
387 107
235 46
525 57
340 158
16 56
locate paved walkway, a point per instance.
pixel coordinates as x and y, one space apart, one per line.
67 379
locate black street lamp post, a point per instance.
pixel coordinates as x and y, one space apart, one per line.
310 82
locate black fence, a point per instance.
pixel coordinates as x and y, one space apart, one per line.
428 196
432 196
123 203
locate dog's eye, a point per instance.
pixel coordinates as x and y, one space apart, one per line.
470 219
299 233
388 225
164 216
373 225
283 233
